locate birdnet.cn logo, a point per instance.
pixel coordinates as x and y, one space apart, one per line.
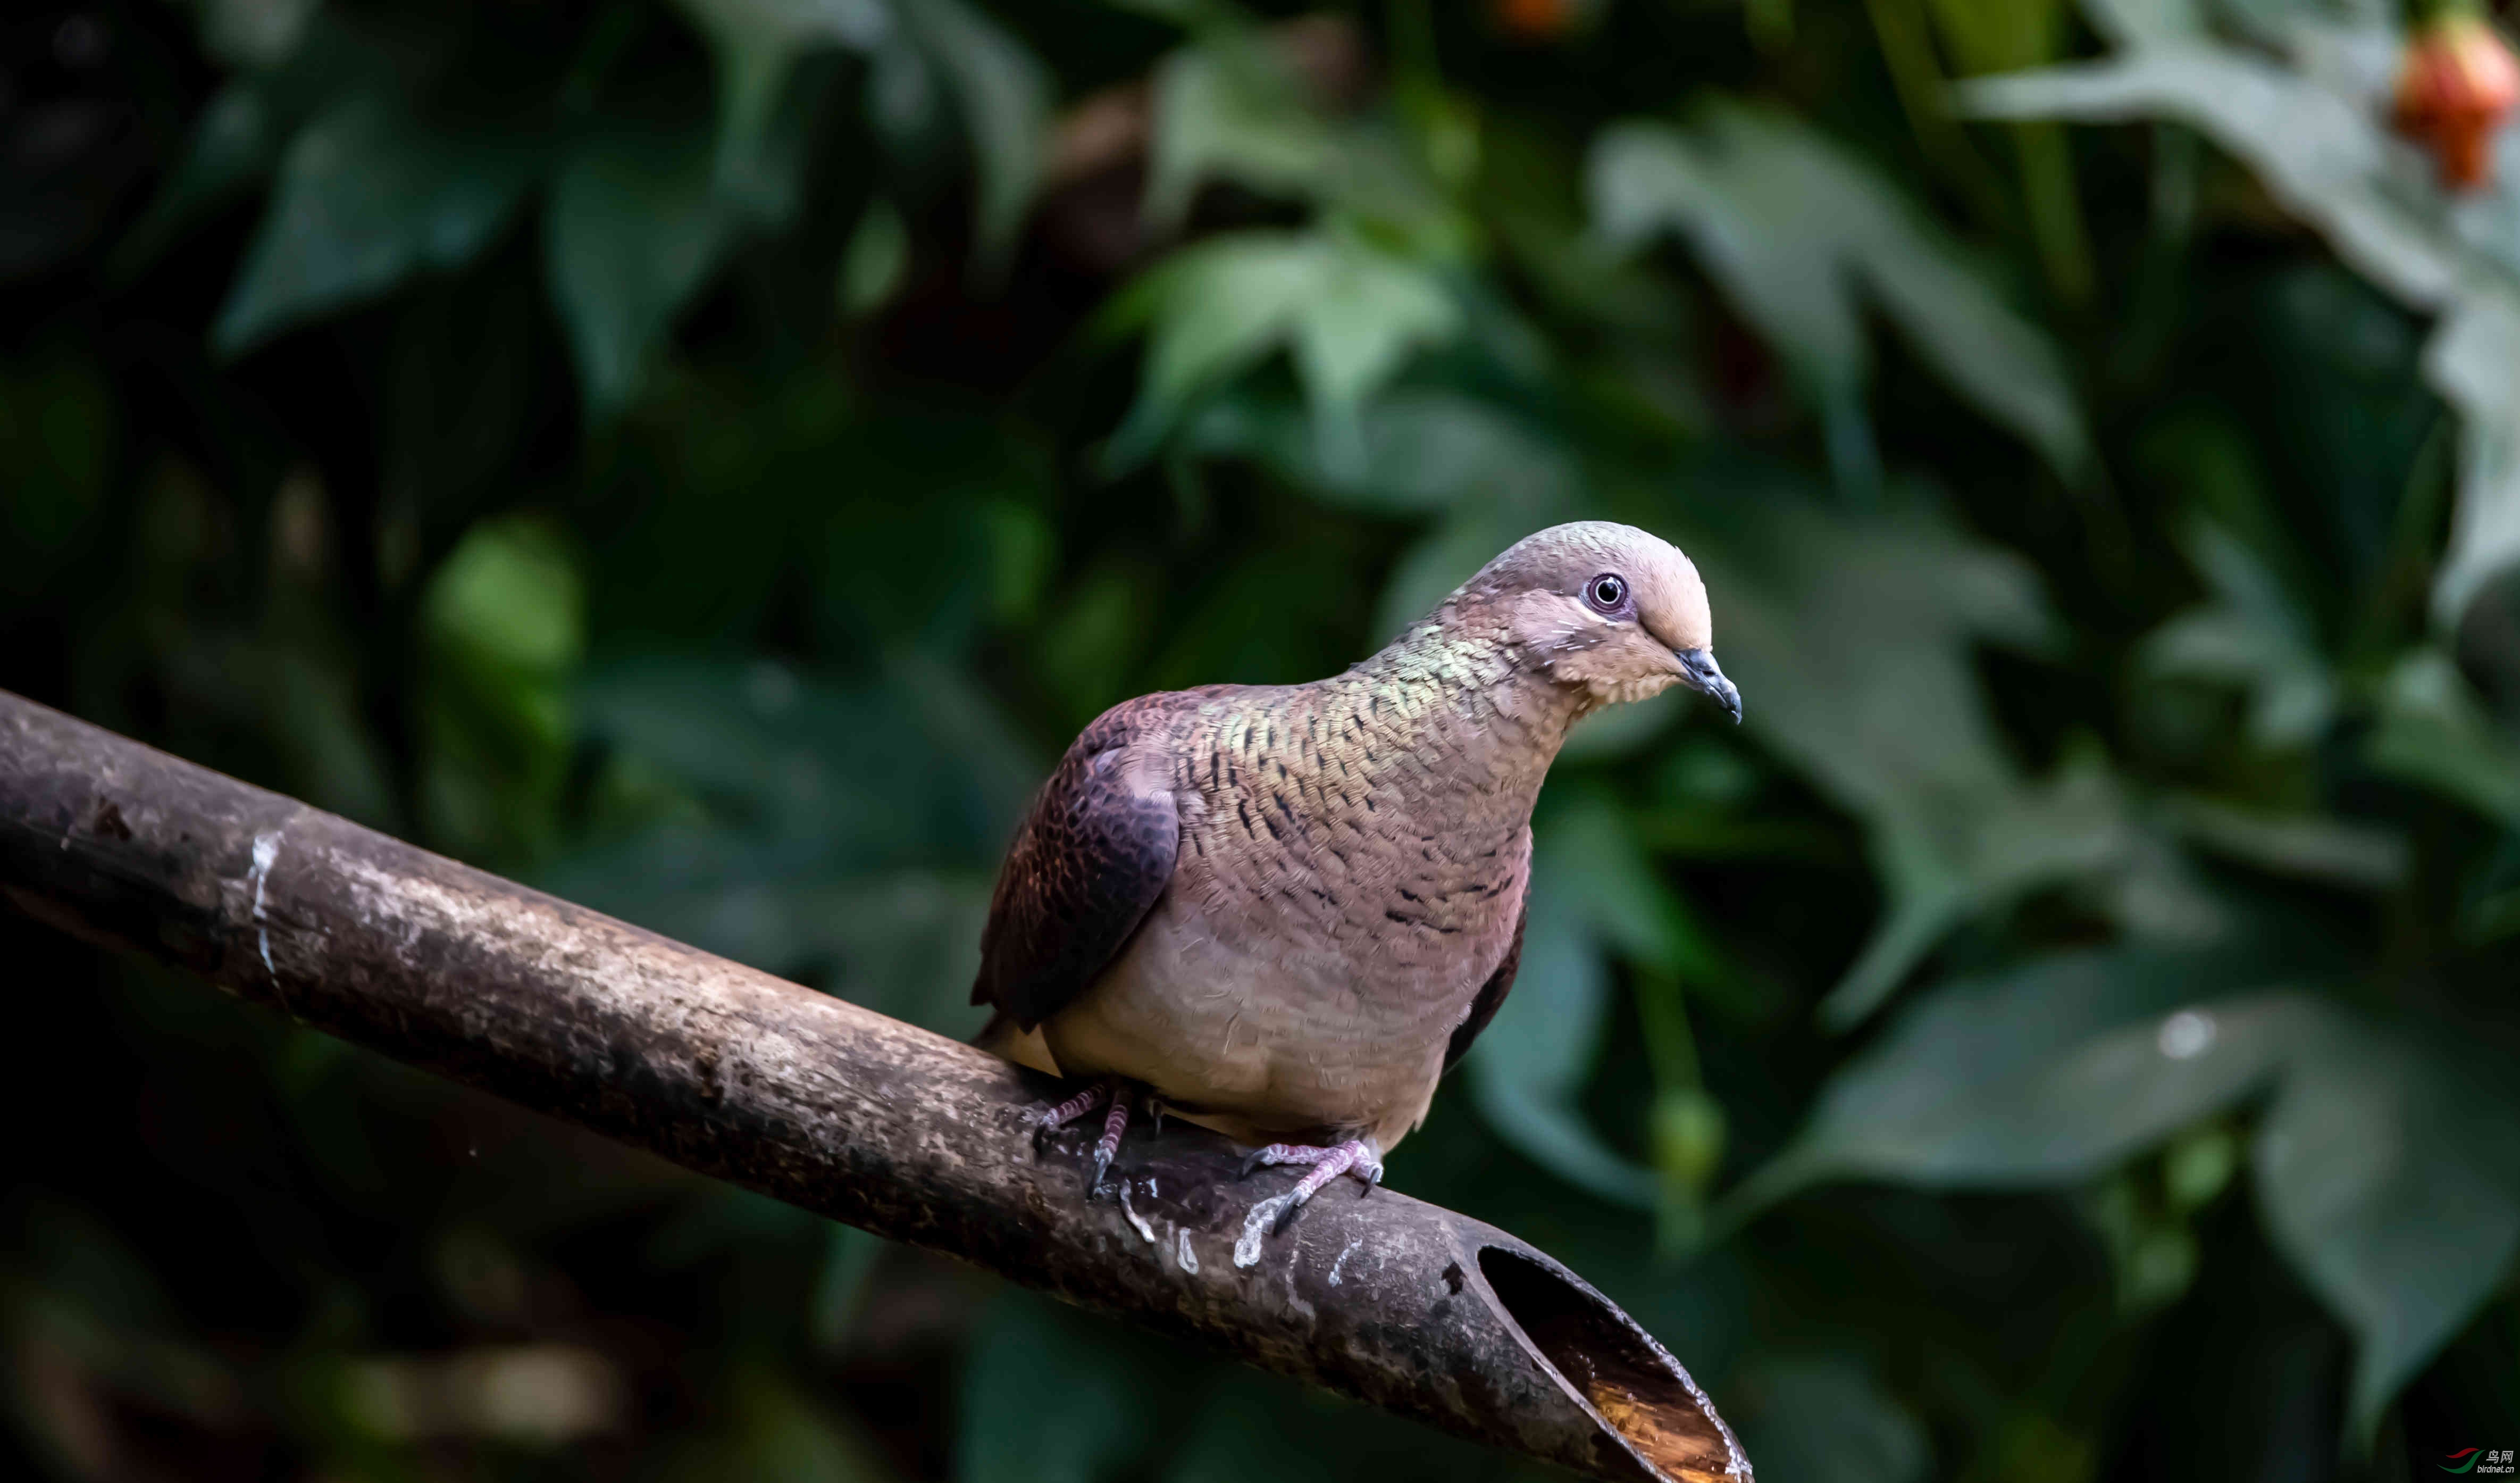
2478 1460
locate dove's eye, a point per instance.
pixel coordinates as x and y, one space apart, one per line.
1606 592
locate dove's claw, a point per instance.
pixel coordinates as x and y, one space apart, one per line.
1108 1147
1049 1118
1356 1156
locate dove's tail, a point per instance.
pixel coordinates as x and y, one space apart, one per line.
1003 1037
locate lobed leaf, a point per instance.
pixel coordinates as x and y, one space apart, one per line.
1740 187
1593 895
1231 110
1349 313
1003 94
757 43
636 227
2390 1178
2046 1073
369 194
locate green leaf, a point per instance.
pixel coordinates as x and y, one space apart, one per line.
2474 360
909 771
1990 355
2145 23
1991 34
1648 178
1350 312
2253 636
1527 1069
1592 894
2321 152
2434 732
1229 108
254 35
635 229
1215 309
509 597
877 260
902 942
297 64
503 627
1940 874
766 1427
1850 635
1235 105
1368 312
1423 450
1738 188
848 1262
1051 1395
2381 1165
1004 94
1001 92
1826 1418
2390 1179
1260 1428
757 43
231 144
2311 846
842 836
1623 898
367 194
2045 1074
56 445
2318 152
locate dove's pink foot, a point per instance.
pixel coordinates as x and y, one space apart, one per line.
1356 1156
1108 1147
1048 1117
1051 1118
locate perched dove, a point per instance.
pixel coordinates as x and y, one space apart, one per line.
1284 912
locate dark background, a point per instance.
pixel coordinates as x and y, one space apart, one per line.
707 458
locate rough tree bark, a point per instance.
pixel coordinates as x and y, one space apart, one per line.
828 1106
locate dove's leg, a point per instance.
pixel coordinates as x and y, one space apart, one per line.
1356 1156
1108 1147
1051 1118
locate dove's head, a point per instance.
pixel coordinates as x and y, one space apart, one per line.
1607 609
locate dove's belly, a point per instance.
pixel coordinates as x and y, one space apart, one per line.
1284 1032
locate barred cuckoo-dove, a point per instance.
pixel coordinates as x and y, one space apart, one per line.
1284 912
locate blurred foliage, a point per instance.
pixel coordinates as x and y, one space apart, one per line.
707 457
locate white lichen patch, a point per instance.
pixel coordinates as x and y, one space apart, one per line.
1345 1252
1296 1303
1135 1219
1256 1229
1189 1258
266 854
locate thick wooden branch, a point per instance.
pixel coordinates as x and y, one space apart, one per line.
828 1106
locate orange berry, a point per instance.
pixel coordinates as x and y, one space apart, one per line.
1536 19
2458 83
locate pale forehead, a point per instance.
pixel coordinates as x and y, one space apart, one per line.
1670 600
1576 551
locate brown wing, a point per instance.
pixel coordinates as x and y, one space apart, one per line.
1087 864
1490 993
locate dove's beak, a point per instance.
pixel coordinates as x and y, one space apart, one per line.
1703 674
